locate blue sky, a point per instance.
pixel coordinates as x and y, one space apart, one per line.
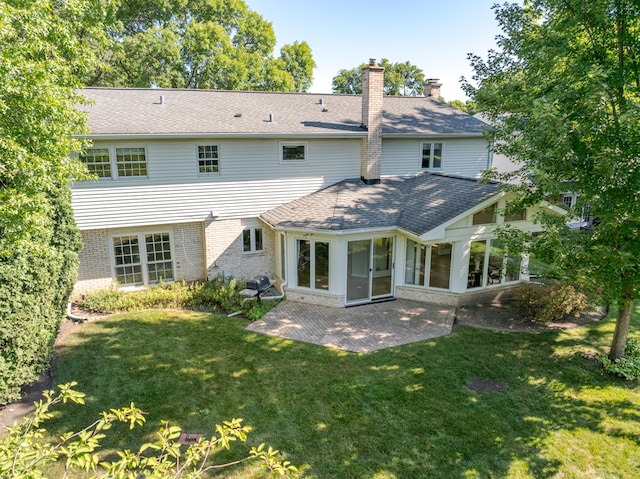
434 35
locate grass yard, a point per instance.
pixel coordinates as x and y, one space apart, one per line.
404 412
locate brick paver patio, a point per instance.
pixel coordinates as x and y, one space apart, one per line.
360 328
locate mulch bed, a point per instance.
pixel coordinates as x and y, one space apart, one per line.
505 316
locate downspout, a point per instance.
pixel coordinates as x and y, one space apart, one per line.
73 317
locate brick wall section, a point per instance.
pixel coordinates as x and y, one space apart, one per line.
224 254
189 251
372 90
94 270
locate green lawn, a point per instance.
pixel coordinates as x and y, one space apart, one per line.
404 412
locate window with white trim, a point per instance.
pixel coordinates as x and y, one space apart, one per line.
428 265
142 259
490 263
432 155
131 162
485 216
116 162
313 264
252 240
291 152
208 159
97 161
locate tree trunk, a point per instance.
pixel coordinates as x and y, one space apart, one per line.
619 343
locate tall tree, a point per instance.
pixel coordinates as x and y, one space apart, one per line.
399 79
45 46
217 44
563 95
299 63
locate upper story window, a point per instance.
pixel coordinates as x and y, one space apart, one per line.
97 162
432 155
131 161
486 216
208 160
293 152
115 162
515 215
252 240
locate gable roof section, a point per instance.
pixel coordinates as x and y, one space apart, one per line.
140 112
417 204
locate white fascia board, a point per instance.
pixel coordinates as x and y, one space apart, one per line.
392 229
438 232
554 208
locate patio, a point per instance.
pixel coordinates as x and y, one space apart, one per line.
358 329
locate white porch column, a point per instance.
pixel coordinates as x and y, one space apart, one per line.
460 266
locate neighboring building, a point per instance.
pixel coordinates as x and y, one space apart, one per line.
347 198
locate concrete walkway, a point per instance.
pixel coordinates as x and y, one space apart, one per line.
358 329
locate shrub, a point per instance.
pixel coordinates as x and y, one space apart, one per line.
215 295
35 283
628 366
552 302
254 310
162 295
219 294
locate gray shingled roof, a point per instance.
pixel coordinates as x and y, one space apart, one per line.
417 204
133 111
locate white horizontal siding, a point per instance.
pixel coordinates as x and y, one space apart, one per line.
462 156
251 180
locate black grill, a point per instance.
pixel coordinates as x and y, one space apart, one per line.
259 283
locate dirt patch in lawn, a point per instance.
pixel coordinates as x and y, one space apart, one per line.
505 316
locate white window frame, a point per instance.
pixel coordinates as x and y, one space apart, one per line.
89 164
252 239
425 261
312 263
144 263
199 159
431 150
487 281
113 161
283 144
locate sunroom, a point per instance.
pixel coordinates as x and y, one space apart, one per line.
429 237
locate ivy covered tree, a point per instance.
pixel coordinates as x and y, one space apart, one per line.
562 92
402 79
213 44
43 57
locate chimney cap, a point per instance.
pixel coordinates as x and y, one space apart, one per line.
372 62
433 81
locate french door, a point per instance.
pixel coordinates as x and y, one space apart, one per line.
369 269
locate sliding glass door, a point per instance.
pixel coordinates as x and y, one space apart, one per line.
369 269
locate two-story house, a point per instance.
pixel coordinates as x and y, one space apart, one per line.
346 198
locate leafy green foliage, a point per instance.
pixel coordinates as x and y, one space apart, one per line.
562 94
552 302
23 454
399 79
628 366
469 106
254 310
214 44
44 47
216 295
163 295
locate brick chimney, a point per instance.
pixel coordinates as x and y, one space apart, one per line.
372 88
432 88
